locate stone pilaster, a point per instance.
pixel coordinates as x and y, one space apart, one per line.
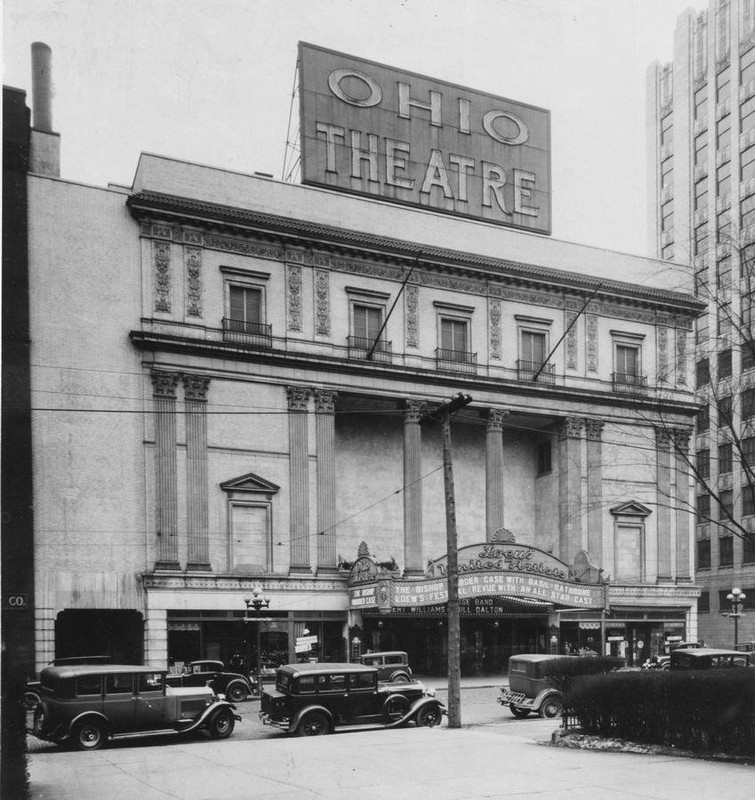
164 393
494 471
325 432
197 516
413 411
594 436
663 502
569 488
684 569
156 638
298 444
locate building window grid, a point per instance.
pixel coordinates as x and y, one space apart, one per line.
703 553
702 463
725 504
726 551
725 458
724 364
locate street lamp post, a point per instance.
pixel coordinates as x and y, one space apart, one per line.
736 597
256 603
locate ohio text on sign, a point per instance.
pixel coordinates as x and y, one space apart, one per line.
372 129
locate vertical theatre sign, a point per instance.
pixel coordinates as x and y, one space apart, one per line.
374 130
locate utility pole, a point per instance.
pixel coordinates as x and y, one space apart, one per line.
444 414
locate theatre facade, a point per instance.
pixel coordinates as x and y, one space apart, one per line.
234 395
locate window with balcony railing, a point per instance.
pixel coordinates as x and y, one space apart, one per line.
371 349
245 324
251 334
533 350
628 377
456 360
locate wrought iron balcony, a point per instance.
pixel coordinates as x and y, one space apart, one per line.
526 371
249 334
456 360
359 346
630 383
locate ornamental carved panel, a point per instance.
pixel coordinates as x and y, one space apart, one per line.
571 428
495 329
325 401
193 261
412 316
591 342
663 365
164 383
681 357
571 339
161 271
322 302
298 398
195 388
294 297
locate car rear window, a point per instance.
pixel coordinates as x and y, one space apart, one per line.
88 685
307 684
371 662
394 660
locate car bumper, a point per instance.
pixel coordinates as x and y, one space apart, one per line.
518 699
282 724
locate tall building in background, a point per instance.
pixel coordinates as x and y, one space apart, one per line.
701 145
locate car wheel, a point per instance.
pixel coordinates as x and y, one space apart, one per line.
313 724
31 700
551 707
89 735
237 692
221 724
519 713
400 678
395 707
429 716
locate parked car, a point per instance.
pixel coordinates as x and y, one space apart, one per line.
84 705
32 693
316 699
657 662
709 658
235 686
392 665
529 691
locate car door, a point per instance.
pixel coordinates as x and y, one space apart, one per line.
365 702
119 705
332 692
150 706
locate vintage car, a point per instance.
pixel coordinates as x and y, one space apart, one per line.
315 699
529 691
708 658
235 686
392 665
31 692
85 705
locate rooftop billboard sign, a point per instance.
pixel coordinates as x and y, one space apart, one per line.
374 130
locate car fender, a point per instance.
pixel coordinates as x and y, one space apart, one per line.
245 683
415 707
86 715
306 710
400 673
544 695
208 712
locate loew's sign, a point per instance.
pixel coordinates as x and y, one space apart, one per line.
371 129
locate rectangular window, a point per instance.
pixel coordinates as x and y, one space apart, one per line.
534 347
701 280
119 684
703 509
747 164
748 355
701 239
244 322
724 317
748 501
723 603
748 403
250 537
725 458
725 551
245 305
702 420
748 548
725 410
702 463
703 603
628 360
367 321
723 127
701 329
629 552
725 504
724 364
748 452
667 252
89 685
454 339
702 372
703 554
723 181
723 274
543 458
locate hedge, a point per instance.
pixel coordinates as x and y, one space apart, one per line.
710 711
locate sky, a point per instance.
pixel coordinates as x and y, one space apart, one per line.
211 81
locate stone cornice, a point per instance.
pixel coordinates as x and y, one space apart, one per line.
277 233
157 581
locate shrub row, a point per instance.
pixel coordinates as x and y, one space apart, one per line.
705 712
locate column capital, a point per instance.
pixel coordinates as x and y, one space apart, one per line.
495 418
413 410
662 438
594 429
325 401
298 397
164 383
571 428
195 387
681 439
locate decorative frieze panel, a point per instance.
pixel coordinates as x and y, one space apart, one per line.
495 330
571 339
412 315
663 366
192 237
161 271
243 246
453 284
681 357
524 296
322 302
625 312
193 261
591 342
294 286
238 583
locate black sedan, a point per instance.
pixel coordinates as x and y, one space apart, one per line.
235 686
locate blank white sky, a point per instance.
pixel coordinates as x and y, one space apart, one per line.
210 81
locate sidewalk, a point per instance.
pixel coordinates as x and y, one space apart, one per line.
467 682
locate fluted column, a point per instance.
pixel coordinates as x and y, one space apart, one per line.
413 411
663 502
197 513
298 445
325 432
569 488
684 567
164 393
494 471
594 434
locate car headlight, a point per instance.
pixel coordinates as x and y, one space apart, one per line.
430 692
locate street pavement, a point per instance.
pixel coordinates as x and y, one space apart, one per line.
493 755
